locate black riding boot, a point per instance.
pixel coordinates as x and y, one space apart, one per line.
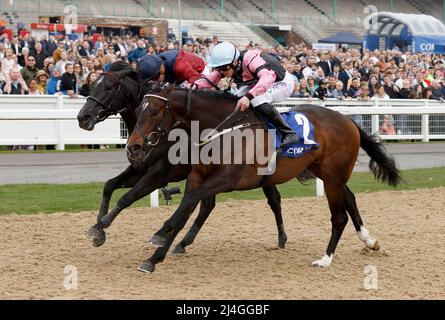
288 136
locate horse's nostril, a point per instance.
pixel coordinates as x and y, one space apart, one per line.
83 117
134 150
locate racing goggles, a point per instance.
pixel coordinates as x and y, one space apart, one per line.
226 67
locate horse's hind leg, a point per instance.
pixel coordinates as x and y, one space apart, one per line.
339 219
363 233
274 201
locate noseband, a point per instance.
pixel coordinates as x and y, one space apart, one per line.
159 132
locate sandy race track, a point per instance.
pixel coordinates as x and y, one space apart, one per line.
235 256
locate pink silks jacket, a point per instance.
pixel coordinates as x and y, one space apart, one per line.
252 61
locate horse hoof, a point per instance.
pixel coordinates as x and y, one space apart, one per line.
146 267
282 243
157 241
97 236
324 262
178 250
376 246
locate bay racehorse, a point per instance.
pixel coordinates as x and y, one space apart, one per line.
338 136
120 91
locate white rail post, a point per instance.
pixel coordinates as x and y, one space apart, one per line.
375 119
425 125
60 141
320 187
154 199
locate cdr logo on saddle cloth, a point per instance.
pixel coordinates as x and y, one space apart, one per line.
305 131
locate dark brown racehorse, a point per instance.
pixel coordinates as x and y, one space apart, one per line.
333 162
120 91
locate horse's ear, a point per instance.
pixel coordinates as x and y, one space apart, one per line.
133 75
170 88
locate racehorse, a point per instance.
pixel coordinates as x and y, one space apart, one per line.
121 86
338 136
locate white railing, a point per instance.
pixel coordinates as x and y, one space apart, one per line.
48 119
413 119
42 120
53 120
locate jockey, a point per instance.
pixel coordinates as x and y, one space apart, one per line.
172 66
262 81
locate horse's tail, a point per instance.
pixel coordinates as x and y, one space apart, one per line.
382 165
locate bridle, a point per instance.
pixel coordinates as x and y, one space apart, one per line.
106 107
159 132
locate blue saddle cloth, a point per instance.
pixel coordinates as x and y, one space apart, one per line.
303 128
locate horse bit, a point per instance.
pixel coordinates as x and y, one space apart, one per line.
159 132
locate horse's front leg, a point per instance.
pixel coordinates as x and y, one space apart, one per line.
196 191
206 208
207 205
126 179
146 185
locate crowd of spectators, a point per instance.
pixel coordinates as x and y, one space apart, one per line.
351 74
65 66
68 67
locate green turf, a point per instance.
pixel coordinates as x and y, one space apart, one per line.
49 198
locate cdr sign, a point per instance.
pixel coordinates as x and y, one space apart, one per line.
429 47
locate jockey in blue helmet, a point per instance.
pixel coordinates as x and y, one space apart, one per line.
172 66
262 81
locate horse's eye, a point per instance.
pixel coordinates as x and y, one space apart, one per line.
154 112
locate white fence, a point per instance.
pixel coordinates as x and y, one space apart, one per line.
51 120
43 120
36 120
412 119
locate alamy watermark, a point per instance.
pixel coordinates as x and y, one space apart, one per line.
230 146
71 18
248 146
71 281
371 281
370 20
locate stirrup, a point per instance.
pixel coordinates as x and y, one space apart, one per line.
295 140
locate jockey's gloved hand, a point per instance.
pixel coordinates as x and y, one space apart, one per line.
187 85
243 103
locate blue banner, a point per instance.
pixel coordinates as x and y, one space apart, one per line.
429 44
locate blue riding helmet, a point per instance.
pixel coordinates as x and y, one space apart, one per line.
223 54
149 67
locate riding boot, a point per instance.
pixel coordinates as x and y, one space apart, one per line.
288 136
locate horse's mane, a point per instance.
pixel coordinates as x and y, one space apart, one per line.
213 95
119 66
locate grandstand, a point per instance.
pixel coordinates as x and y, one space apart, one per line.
234 32
233 20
